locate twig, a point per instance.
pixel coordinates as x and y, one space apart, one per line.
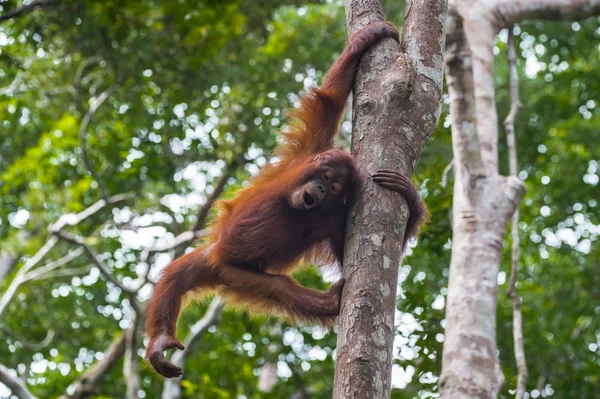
509 126
88 382
16 386
182 239
77 240
77 271
32 346
48 267
187 237
71 219
204 209
25 9
171 389
449 168
18 280
130 364
95 105
84 64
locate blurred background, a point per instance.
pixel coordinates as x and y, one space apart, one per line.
120 120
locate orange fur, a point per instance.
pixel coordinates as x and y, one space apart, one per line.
258 237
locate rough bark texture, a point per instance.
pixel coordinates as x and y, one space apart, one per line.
484 201
397 102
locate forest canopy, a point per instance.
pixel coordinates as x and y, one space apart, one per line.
118 120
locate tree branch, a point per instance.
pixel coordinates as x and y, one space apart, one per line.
16 386
204 209
88 382
188 237
172 388
69 219
81 68
483 203
26 9
131 364
76 271
17 281
511 11
184 238
77 240
447 170
48 267
95 105
509 126
32 346
72 219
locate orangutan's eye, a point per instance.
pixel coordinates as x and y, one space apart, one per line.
328 175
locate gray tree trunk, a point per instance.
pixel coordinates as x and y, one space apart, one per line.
483 200
397 103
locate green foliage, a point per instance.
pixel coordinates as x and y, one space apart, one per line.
192 86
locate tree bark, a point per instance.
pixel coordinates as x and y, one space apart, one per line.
484 201
397 102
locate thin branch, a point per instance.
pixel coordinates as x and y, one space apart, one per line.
81 68
25 9
449 168
211 317
48 267
9 90
184 238
77 271
72 219
187 237
172 389
88 382
268 378
204 209
18 280
96 103
16 386
69 219
131 365
509 126
77 240
32 346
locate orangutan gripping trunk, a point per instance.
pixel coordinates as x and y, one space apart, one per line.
294 209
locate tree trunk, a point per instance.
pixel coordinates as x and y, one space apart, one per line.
483 200
397 102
